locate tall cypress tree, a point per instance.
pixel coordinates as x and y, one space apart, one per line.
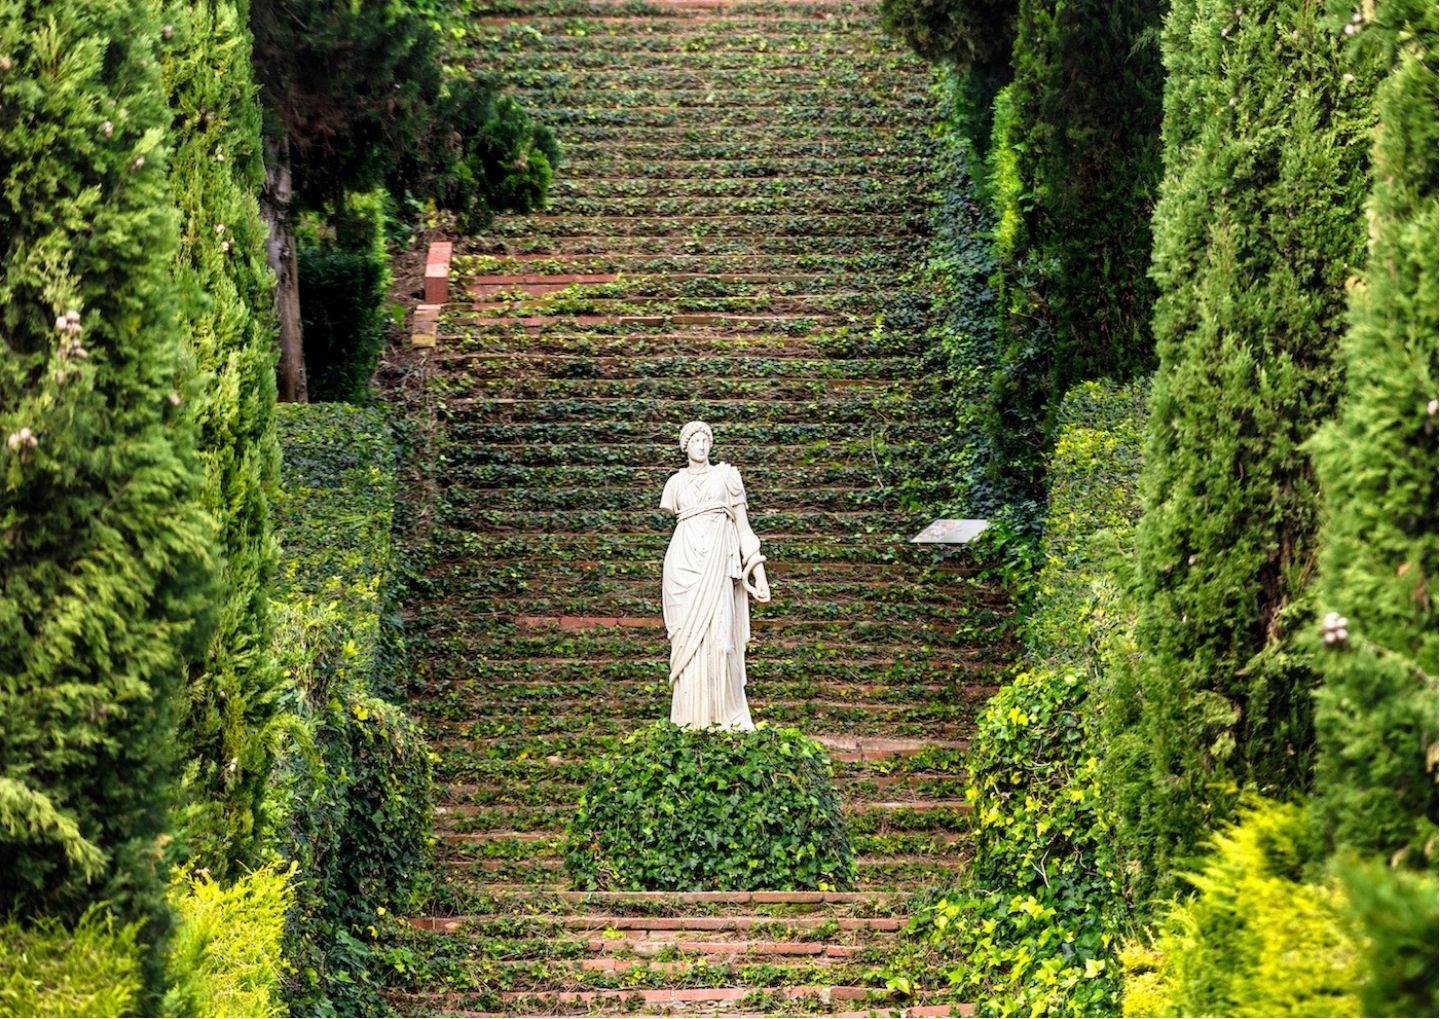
1259 224
1375 715
105 563
220 270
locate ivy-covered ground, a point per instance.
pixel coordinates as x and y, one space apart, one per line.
742 201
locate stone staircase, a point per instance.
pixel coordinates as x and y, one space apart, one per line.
742 202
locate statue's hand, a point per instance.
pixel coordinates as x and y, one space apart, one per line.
756 583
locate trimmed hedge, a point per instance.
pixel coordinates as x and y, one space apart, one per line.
344 286
681 810
354 797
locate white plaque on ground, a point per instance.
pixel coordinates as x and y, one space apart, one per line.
951 532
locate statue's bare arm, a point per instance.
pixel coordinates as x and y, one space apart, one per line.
752 562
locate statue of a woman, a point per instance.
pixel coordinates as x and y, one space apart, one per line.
712 564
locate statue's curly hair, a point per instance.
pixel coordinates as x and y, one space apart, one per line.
688 432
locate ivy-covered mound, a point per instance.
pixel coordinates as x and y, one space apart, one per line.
678 810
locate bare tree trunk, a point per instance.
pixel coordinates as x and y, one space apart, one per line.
280 253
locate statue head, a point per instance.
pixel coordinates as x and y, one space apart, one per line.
693 429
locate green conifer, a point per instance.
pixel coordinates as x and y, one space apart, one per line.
105 563
216 173
1375 715
1258 227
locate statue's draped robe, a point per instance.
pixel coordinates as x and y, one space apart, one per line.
707 613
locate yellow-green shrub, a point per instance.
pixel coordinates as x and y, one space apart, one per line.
225 957
92 969
1257 938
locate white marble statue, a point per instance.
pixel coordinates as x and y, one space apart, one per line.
712 566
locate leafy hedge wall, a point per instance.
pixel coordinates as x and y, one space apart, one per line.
354 797
220 272
1033 929
344 284
1259 223
106 570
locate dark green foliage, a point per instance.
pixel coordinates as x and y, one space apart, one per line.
344 283
355 796
106 569
679 809
962 262
220 270
970 34
357 93
1259 222
1078 164
1257 938
1375 713
1396 910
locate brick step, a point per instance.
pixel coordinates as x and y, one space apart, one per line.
454 813
688 244
666 283
954 722
613 713
620 521
844 453
595 82
564 562
646 120
781 379
830 678
816 141
585 135
782 62
714 187
664 1001
732 424
724 32
572 302
784 482
856 787
873 226
640 631
475 261
668 18
641 579
609 637
887 872
843 747
786 608
502 339
539 324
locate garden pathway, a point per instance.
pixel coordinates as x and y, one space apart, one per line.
742 199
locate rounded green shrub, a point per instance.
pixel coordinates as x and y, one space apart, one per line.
681 809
